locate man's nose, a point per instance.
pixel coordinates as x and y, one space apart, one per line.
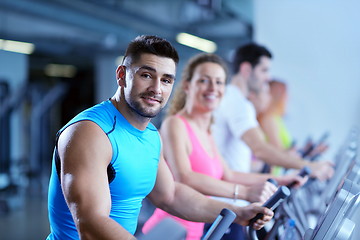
155 86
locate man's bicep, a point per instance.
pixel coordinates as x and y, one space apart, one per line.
85 152
164 189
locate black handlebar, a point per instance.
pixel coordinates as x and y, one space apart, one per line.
220 225
305 171
273 181
273 202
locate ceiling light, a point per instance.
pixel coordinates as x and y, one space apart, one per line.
15 46
58 70
196 42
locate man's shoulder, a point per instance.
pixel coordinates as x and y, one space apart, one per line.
233 99
234 95
99 114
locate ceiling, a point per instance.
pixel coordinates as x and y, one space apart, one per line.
77 28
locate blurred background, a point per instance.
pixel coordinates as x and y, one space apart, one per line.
58 57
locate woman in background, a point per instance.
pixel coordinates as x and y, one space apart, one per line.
272 119
189 148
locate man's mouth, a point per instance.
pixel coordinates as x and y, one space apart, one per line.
152 99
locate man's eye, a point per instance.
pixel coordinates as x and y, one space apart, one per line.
167 81
146 75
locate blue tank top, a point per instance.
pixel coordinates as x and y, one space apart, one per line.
132 171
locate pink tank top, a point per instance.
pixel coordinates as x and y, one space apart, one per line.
200 162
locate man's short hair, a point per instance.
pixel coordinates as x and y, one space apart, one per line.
250 53
149 44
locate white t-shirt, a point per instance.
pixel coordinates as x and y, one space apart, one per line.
235 115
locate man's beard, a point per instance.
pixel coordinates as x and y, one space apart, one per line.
254 84
146 112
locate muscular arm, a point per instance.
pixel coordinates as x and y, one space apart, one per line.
254 138
85 153
175 197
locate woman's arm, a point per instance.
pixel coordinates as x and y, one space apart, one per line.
177 149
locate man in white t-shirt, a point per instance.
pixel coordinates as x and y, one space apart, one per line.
234 123
235 127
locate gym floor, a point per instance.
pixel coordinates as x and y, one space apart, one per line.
24 215
28 219
26 222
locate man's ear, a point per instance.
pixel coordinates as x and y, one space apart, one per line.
121 75
245 69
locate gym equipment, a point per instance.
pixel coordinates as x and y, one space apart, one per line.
310 201
175 231
305 171
273 181
167 228
4 130
272 203
11 172
333 206
336 222
220 225
310 146
344 163
41 145
283 213
32 163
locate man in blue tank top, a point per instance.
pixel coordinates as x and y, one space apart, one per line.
109 158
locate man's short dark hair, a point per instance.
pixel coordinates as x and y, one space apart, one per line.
149 44
250 53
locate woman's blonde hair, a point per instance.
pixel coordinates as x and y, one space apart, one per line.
179 99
